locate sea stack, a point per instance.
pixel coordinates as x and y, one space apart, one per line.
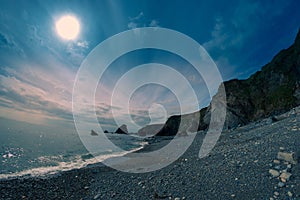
94 133
122 130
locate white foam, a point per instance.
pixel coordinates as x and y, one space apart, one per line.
8 155
76 163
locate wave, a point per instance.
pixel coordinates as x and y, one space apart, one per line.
77 162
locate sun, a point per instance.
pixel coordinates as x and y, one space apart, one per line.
68 27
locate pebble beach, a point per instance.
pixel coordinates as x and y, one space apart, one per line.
256 161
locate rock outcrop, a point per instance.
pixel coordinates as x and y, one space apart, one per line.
94 133
122 130
188 123
150 130
273 90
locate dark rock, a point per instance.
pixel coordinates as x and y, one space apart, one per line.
106 131
151 129
94 133
181 124
122 130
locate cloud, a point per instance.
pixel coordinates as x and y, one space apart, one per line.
77 51
223 37
35 92
141 21
138 17
4 41
132 25
8 43
83 44
154 23
233 33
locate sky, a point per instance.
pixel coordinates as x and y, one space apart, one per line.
38 67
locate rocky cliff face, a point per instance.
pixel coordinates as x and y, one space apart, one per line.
188 123
149 130
273 90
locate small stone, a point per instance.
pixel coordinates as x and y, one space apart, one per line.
274 172
281 184
276 193
289 166
283 180
177 198
289 157
255 161
271 198
86 187
141 182
233 195
290 194
281 148
97 196
277 167
285 175
276 161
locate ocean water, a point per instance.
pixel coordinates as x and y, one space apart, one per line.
36 150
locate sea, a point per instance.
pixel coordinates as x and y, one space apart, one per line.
38 150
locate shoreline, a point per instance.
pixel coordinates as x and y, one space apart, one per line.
153 143
238 167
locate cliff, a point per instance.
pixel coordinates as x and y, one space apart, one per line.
273 90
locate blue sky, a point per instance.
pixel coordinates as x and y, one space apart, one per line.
38 68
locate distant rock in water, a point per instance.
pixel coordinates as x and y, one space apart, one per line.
106 131
272 91
122 130
150 130
94 133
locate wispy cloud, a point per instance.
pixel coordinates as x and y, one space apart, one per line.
8 43
77 51
4 41
36 92
141 21
154 23
132 25
232 33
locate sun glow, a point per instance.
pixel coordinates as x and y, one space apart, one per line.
68 27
